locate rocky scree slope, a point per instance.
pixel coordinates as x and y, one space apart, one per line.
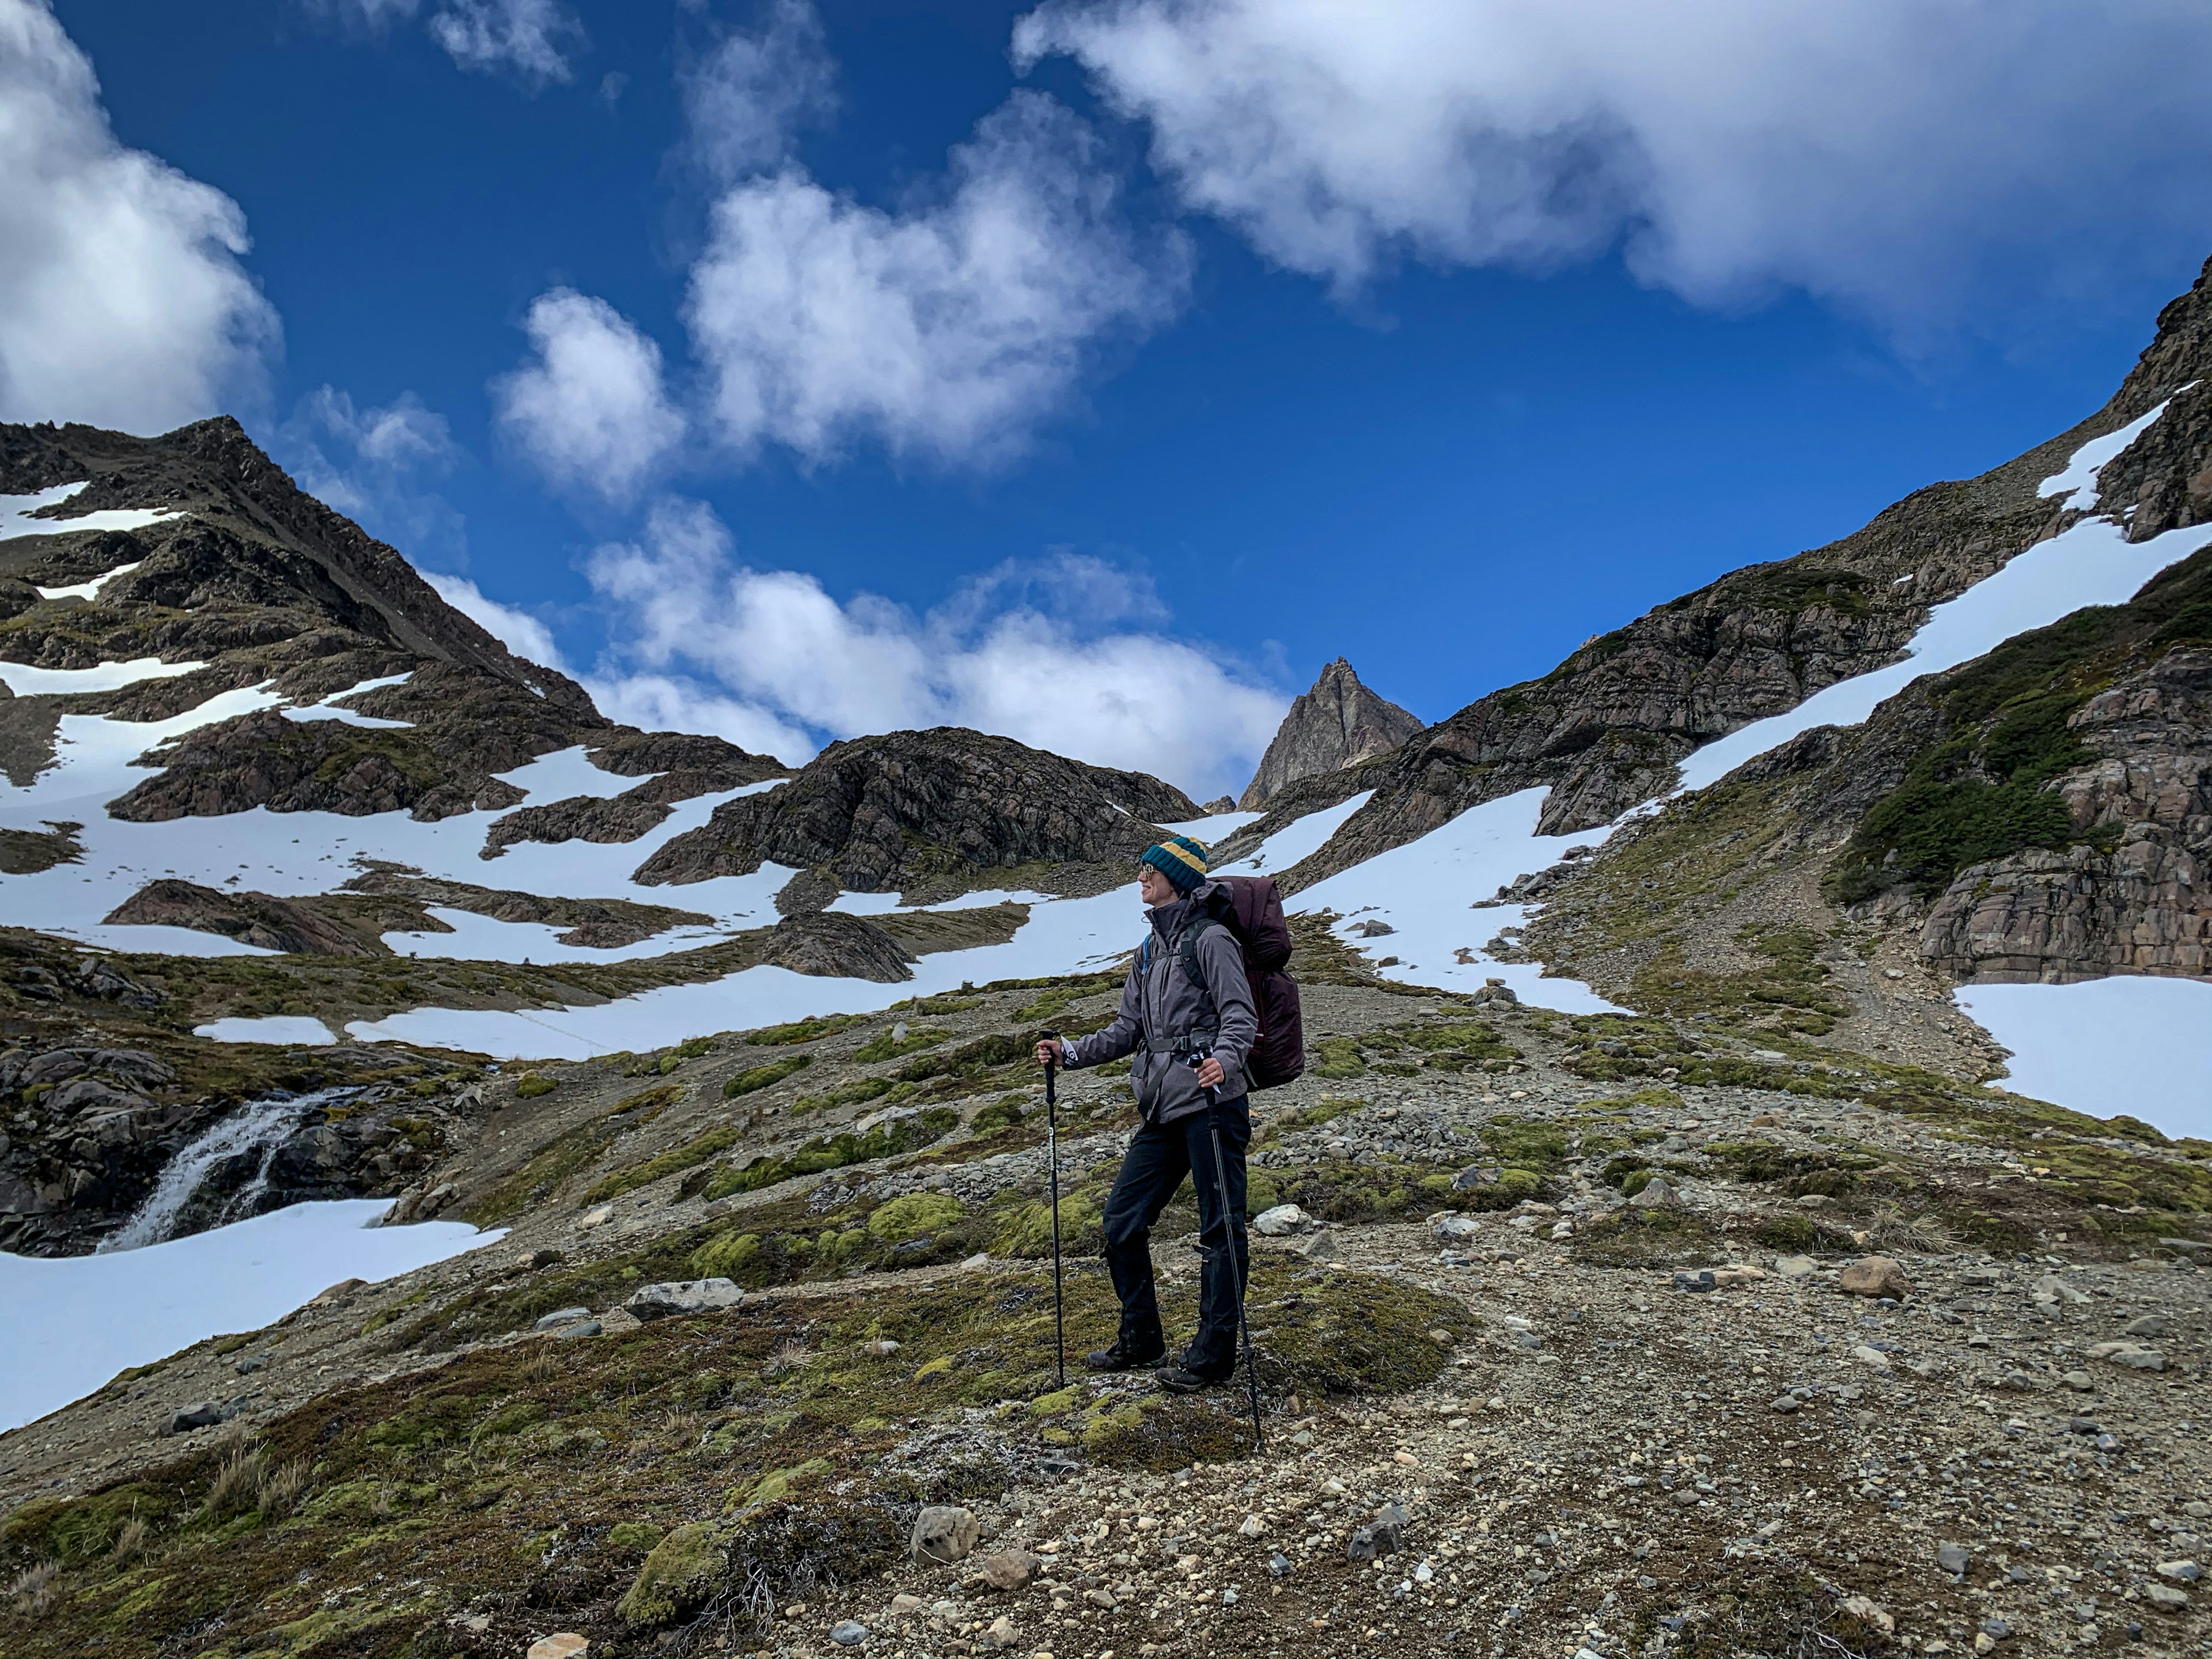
1605 730
931 814
1339 722
1499 1208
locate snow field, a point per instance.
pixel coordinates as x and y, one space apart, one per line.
74 1321
15 520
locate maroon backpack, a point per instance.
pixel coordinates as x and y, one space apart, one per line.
1252 910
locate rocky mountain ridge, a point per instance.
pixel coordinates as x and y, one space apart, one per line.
1336 724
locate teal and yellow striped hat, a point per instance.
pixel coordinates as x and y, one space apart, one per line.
1180 859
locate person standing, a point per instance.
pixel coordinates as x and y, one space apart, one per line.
1192 1034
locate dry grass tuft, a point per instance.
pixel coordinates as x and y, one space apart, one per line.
32 1590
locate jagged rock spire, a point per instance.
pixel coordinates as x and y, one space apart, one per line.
1336 723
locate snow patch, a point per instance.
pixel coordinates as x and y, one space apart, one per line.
88 590
26 681
16 519
566 773
1297 839
2083 465
2130 1043
73 1322
272 1028
328 708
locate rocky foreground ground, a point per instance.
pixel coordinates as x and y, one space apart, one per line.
1580 1336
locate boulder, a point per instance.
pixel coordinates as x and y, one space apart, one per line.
1281 1220
943 1532
1875 1275
684 1296
562 1644
1796 1267
1657 1193
678 1577
561 1316
1010 1570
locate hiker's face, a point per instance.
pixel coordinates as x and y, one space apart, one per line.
1158 888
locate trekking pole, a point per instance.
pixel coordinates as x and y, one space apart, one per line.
1052 1156
1236 1277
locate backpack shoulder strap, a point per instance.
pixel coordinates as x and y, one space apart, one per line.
1186 949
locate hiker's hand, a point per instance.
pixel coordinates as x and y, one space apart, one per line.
1048 1054
1210 1073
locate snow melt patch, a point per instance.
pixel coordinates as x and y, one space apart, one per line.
88 590
328 708
2083 465
272 1028
1426 890
16 511
1297 839
26 681
2130 1043
75 1321
566 773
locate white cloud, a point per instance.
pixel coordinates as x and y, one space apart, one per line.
661 702
590 408
378 466
517 630
745 98
1897 155
529 39
123 301
683 612
945 329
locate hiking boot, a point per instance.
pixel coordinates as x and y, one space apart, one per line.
1123 1357
1179 1378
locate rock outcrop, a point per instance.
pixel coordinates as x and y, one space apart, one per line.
940 810
835 946
1335 725
259 919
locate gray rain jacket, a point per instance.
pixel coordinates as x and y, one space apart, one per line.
1162 1011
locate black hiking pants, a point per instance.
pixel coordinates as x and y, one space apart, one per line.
1159 1157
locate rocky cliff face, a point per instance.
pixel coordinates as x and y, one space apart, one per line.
1606 728
934 811
1337 723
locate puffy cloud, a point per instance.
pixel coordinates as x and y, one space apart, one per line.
123 301
590 408
517 630
377 466
945 329
529 39
1899 156
998 656
661 702
745 98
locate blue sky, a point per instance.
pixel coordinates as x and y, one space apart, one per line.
1212 379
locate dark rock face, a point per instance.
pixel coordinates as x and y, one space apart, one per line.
1606 729
835 946
274 924
1336 724
618 818
916 809
598 924
2141 905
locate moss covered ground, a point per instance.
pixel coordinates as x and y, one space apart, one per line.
531 1484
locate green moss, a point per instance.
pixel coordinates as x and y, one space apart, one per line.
531 1086
884 1046
835 1151
1648 1238
1335 1058
1025 1231
914 1215
757 1078
727 1256
678 1576
635 1535
1004 1113
854 1093
692 1153
809 1030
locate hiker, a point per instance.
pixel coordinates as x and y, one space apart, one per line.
1191 1045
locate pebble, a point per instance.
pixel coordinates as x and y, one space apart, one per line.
850 1633
562 1644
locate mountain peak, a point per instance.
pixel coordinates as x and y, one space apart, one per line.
1338 722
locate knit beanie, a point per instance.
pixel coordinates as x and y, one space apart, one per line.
1180 860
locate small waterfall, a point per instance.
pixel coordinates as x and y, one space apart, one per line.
264 1126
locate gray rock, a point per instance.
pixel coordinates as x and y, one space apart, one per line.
1657 1193
2150 1325
2182 1572
848 1634
561 1316
581 1327
1997 1630
1954 1558
1281 1221
2166 1598
1796 1267
1329 727
1381 1537
1454 1226
684 1296
1784 1403
943 1532
205 1415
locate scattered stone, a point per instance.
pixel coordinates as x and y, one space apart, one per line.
2051 1288
561 1316
1381 1537
2079 1382
686 1296
2166 1598
205 1415
1868 1612
1796 1267
1874 1356
2150 1325
2182 1572
1001 1633
1657 1193
562 1645
943 1532
1281 1221
1784 1403
2132 1355
1998 1629
1875 1275
1954 1558
597 1218
848 1633
1253 1527
1009 1570
583 1327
